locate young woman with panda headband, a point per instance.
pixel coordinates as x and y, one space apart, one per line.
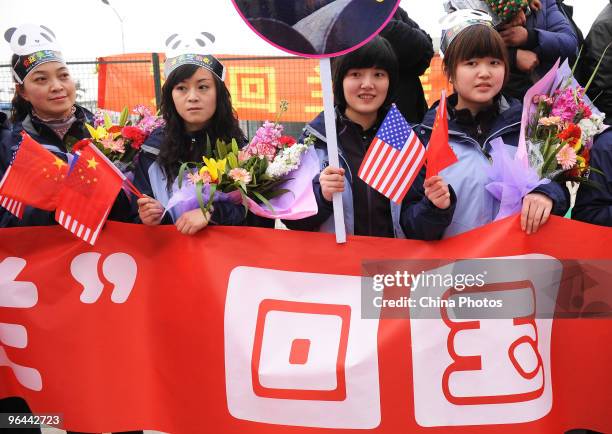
197 107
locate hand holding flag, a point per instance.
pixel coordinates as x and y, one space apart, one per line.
394 157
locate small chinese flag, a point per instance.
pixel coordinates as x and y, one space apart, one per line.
88 194
34 178
439 154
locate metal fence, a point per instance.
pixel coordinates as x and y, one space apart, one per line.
257 85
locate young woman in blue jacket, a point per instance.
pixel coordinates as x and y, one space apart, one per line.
197 107
364 82
476 63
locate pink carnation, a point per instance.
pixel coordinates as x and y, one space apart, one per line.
240 174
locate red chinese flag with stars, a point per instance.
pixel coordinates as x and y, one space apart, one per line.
88 194
439 154
34 178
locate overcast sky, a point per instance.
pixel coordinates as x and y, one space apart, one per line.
89 28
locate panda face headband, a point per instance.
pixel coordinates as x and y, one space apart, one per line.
455 22
192 51
27 63
206 61
34 45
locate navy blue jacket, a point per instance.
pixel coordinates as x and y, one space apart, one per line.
551 36
430 221
46 137
225 213
594 205
475 207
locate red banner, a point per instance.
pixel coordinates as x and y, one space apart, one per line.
236 330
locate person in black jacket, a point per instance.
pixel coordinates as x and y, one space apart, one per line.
596 42
414 51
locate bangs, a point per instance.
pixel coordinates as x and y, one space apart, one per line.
475 42
479 41
181 73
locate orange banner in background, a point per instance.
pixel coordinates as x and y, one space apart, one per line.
257 85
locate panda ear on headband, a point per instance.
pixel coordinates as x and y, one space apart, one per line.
9 33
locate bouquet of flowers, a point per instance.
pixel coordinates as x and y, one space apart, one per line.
557 129
121 142
560 125
256 175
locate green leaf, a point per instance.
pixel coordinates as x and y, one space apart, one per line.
213 188
208 149
221 151
551 158
235 149
577 59
245 202
107 121
263 200
199 186
232 160
124 116
181 174
586 88
278 192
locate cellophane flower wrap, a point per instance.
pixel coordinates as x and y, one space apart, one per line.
271 176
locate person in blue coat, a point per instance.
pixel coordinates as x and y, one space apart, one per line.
196 106
534 43
364 84
476 63
594 204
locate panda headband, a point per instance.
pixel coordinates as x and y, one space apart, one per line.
34 45
192 51
455 22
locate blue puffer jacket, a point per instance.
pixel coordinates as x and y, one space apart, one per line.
594 205
551 36
475 206
426 216
150 179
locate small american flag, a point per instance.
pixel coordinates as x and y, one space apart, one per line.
394 158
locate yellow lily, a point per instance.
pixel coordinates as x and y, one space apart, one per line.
214 168
97 133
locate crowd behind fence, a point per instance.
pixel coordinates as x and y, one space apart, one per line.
257 85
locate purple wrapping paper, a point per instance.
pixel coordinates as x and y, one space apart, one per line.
299 202
510 179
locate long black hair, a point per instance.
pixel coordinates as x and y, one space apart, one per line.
377 53
20 107
177 146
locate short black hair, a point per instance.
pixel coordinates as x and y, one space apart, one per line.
377 53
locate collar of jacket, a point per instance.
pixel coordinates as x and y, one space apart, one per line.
510 111
34 127
317 126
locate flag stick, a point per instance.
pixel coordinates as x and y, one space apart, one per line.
332 144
